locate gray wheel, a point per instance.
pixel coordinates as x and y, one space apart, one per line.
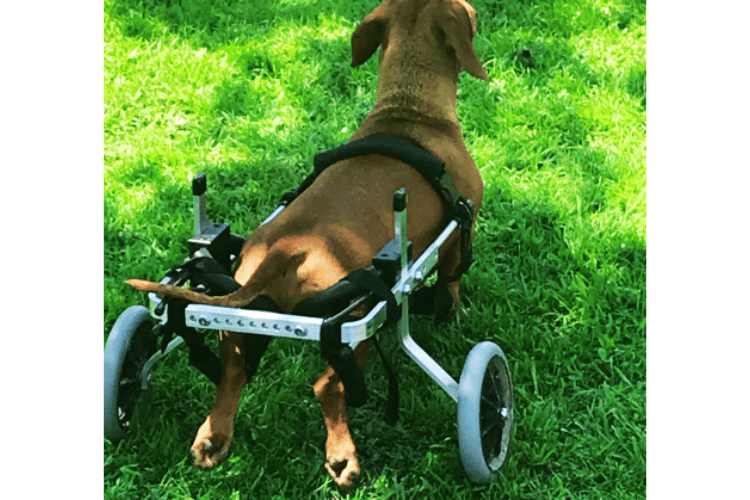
130 344
485 412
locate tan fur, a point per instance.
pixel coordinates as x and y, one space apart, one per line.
337 225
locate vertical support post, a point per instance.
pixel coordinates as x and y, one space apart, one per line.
399 211
199 202
416 353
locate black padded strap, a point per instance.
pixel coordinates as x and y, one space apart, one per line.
209 273
341 357
427 163
371 281
430 166
329 301
391 409
199 355
433 300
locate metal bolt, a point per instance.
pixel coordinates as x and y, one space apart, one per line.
203 321
300 331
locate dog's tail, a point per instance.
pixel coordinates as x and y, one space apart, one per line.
275 264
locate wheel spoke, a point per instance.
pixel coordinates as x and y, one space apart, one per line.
494 404
489 414
489 427
494 400
500 387
491 441
494 372
125 381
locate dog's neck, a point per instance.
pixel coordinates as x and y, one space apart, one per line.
414 93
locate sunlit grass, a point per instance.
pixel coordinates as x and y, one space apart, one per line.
248 92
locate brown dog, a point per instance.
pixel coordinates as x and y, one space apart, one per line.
339 223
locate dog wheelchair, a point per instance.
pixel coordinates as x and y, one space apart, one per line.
142 337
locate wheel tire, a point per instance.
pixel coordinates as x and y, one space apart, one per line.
130 344
485 412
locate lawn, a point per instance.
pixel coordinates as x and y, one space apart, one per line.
248 91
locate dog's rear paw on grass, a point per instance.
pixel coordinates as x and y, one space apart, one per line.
343 467
210 448
210 452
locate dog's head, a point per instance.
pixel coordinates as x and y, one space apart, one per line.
422 26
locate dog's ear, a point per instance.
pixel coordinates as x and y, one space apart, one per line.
370 33
459 28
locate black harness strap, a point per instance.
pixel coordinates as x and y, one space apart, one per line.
208 272
391 409
372 282
199 355
341 356
430 166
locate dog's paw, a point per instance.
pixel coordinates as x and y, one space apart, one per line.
342 465
210 448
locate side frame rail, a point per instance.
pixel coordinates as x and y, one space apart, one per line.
308 328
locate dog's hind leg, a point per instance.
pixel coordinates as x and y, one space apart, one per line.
211 444
341 453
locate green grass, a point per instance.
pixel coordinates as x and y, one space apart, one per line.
248 92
